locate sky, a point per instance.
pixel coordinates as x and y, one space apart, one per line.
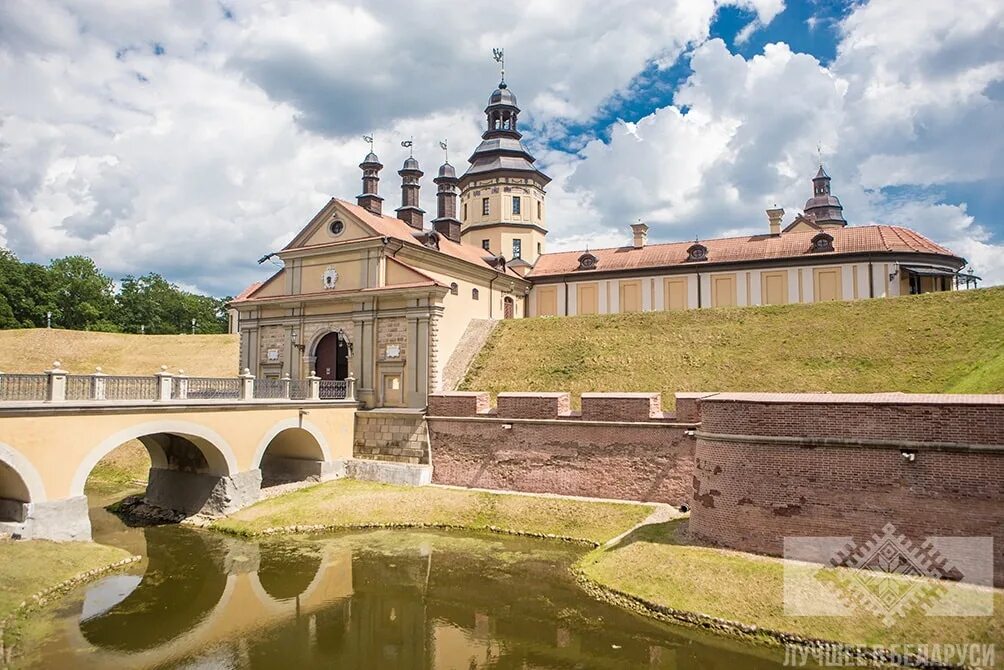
192 138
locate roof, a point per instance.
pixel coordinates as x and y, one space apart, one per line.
851 240
248 291
389 226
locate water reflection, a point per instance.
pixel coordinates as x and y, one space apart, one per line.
386 599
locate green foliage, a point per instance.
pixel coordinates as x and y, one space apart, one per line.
80 297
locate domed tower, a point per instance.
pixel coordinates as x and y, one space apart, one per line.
446 222
824 208
502 193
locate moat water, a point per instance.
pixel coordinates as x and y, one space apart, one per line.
380 599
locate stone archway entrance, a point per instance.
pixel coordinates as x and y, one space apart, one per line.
332 357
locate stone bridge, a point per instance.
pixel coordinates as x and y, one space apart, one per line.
210 441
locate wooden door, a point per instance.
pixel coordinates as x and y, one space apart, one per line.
332 357
509 308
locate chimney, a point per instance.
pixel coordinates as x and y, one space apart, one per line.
640 233
446 222
369 199
409 211
774 216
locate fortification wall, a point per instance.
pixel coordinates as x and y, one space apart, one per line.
774 465
620 445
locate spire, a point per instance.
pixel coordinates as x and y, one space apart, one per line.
371 167
446 222
409 211
824 208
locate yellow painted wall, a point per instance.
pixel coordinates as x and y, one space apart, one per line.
675 291
827 284
630 296
774 288
587 299
723 290
547 300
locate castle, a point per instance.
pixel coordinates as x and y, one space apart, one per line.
386 300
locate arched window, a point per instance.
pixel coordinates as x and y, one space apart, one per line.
454 289
474 293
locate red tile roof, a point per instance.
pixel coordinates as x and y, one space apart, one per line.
248 291
390 226
850 240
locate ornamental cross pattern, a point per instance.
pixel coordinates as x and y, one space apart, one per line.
873 581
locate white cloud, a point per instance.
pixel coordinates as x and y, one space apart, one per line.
905 108
164 136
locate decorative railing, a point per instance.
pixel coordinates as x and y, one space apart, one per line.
299 389
332 390
17 387
270 388
58 385
209 388
79 387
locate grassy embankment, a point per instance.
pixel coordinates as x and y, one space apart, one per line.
348 503
656 563
934 343
34 350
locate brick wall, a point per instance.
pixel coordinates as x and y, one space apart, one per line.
770 466
533 443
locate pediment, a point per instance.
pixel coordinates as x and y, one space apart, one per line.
333 223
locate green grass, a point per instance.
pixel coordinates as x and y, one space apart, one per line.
123 471
34 350
354 503
655 563
933 343
28 567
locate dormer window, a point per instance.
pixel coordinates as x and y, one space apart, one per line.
822 242
697 252
587 261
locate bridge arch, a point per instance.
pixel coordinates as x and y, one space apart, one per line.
219 456
292 450
19 477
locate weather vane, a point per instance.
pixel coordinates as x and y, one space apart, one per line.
499 55
446 151
819 153
369 138
407 144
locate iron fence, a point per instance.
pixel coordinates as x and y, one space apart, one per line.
79 387
270 388
214 388
120 387
299 389
23 387
333 390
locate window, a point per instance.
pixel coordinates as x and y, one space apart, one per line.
336 227
474 293
540 248
540 209
486 245
517 248
465 211
484 207
454 289
516 205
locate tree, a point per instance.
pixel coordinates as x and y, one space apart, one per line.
27 292
82 295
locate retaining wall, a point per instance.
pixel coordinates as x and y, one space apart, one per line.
620 446
774 465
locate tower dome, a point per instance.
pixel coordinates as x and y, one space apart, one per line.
410 163
502 96
447 170
823 207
